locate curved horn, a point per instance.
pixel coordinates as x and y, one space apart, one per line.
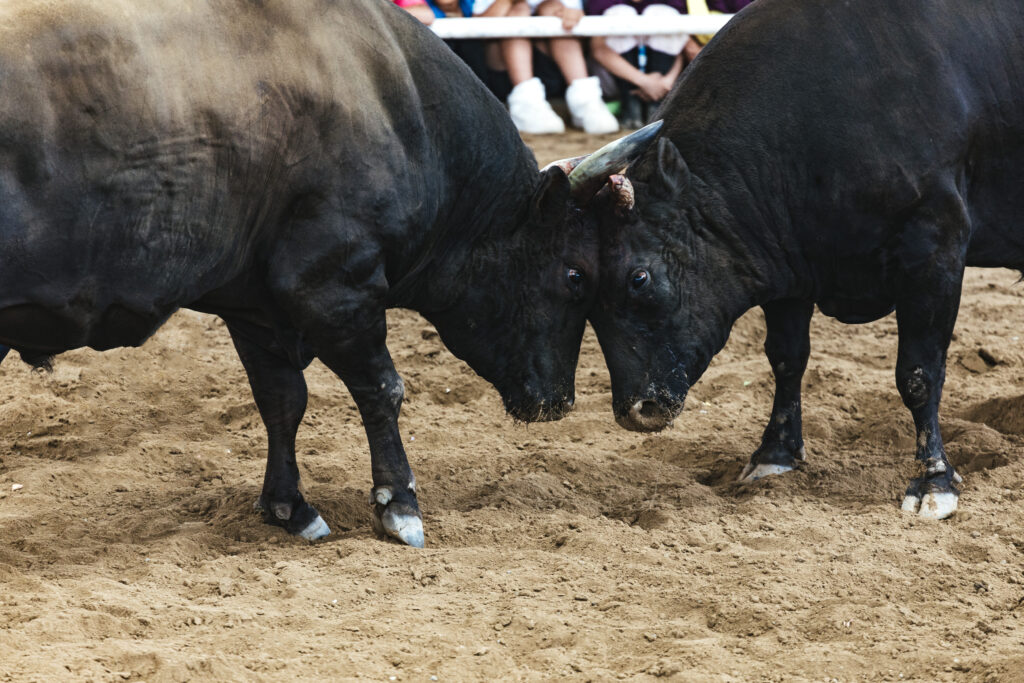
592 173
567 165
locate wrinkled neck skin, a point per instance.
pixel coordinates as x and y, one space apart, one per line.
478 177
738 255
483 280
732 261
473 246
470 232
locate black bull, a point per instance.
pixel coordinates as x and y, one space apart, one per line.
854 155
295 167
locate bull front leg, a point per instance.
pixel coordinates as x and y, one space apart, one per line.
279 389
928 290
920 373
788 346
364 365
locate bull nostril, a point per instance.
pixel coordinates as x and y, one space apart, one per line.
645 415
650 409
648 415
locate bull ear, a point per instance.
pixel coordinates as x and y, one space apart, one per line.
551 198
665 172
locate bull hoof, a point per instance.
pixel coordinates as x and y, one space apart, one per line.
933 496
397 515
297 517
316 530
754 472
932 506
771 460
407 528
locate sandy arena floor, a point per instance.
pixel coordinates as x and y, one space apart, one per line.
566 550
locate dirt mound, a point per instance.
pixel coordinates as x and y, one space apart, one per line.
1005 414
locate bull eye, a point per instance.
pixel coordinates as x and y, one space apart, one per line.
639 279
575 276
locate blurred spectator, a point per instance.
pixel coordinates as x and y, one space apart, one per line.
527 101
644 67
451 8
469 50
419 9
427 10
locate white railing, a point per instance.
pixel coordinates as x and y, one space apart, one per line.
551 27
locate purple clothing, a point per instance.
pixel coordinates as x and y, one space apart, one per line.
727 6
600 6
723 6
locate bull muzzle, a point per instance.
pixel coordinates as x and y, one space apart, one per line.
646 416
539 410
650 413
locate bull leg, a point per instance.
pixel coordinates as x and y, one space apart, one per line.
787 345
343 320
279 390
926 310
366 369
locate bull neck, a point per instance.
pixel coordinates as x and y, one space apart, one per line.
483 206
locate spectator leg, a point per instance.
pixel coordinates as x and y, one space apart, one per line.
567 52
517 53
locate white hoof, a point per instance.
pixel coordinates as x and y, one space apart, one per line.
754 472
317 529
932 506
910 504
406 528
938 505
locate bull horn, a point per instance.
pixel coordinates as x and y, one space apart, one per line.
567 165
590 175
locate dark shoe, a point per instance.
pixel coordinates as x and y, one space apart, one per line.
632 112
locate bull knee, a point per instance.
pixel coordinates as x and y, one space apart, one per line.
781 368
914 387
395 393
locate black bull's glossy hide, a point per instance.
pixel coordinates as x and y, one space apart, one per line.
296 167
853 155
